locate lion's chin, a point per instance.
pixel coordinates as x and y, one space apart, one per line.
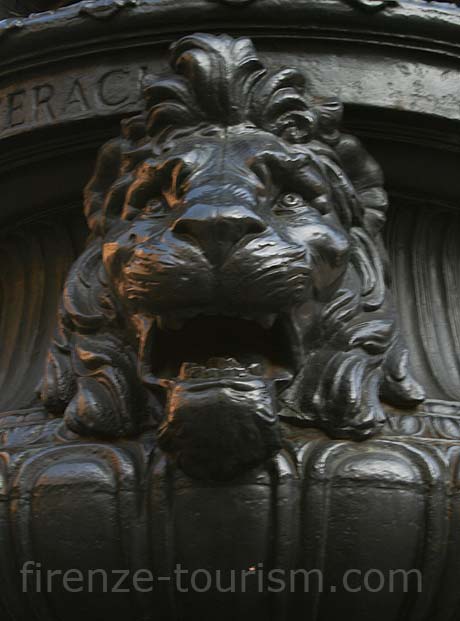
218 428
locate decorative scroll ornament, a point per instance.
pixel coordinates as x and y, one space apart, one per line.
236 271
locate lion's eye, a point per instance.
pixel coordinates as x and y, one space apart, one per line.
289 203
292 200
295 204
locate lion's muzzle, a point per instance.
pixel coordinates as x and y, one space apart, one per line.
217 230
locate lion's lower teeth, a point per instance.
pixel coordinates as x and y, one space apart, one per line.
222 363
256 369
219 368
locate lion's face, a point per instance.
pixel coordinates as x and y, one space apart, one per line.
240 230
229 242
236 271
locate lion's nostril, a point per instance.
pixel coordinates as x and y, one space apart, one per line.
183 226
255 226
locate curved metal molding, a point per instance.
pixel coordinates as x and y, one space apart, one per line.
397 58
414 19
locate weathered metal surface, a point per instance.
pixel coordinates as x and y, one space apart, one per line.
163 434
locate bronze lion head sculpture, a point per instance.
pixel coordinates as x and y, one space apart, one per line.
235 274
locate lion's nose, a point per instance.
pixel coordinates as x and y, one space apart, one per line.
218 230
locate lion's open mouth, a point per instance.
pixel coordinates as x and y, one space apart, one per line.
219 347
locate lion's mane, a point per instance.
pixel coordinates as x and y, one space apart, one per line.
94 375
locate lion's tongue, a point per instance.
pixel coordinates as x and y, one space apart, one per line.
219 367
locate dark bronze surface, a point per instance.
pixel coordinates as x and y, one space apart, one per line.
228 384
236 271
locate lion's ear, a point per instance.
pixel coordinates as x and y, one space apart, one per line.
105 193
367 179
107 170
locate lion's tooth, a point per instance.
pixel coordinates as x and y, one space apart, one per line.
220 362
186 369
256 369
198 371
190 370
228 373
